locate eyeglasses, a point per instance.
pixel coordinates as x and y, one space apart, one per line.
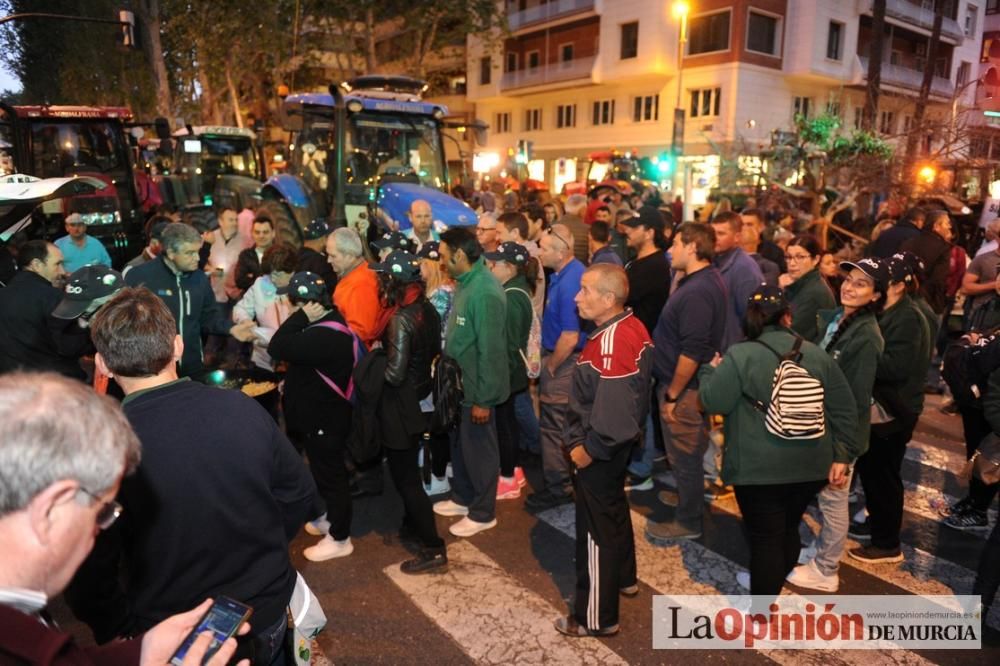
797 257
561 239
483 230
108 512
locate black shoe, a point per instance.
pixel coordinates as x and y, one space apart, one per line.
876 555
860 531
546 500
363 489
428 560
568 626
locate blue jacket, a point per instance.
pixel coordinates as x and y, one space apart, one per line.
742 276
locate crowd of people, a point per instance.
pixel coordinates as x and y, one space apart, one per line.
593 341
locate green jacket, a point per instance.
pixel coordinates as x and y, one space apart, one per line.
857 352
477 337
808 295
519 313
932 318
753 456
899 380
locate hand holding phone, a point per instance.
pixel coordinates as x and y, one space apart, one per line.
221 621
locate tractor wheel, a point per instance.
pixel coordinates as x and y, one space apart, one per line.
285 227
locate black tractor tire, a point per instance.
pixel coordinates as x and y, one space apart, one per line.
286 228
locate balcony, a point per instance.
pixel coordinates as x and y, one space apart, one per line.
905 77
556 72
547 12
917 15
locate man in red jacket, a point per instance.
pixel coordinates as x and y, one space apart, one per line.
63 453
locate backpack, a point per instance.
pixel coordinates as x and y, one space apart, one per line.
966 367
360 351
532 353
446 385
795 410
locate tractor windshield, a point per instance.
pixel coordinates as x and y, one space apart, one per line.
401 147
213 156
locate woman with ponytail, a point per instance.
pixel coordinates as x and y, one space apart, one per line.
851 336
805 288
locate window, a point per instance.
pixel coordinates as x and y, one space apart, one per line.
800 107
646 108
907 123
971 13
941 68
833 109
532 120
534 59
501 123
993 6
511 62
895 57
566 52
485 71
705 102
604 112
962 77
834 40
887 122
858 113
565 116
763 33
708 33
630 40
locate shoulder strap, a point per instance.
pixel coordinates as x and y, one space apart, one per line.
337 326
769 347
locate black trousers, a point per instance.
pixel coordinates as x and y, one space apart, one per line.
881 473
326 450
771 516
418 515
605 545
976 427
988 576
508 435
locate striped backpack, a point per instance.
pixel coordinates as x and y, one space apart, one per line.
795 410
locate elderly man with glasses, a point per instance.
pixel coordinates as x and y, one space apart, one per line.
486 232
562 341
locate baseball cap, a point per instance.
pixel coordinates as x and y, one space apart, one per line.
305 286
84 286
318 228
769 300
401 265
512 253
207 223
648 217
393 239
905 266
874 268
156 231
430 250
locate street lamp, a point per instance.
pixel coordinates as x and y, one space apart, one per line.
680 10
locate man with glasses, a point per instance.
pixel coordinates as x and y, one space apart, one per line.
561 343
486 232
63 453
188 528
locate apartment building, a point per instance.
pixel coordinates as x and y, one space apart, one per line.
576 76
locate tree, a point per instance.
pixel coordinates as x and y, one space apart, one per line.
917 125
875 50
148 12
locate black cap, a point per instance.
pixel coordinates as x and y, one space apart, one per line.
85 286
401 265
512 253
305 286
208 223
395 240
769 300
316 229
904 266
873 267
430 250
156 231
648 217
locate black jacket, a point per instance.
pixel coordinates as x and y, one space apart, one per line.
889 241
217 498
369 380
30 337
411 341
247 269
192 302
936 255
310 404
314 262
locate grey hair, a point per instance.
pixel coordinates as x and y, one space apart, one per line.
177 234
53 428
348 242
576 204
993 229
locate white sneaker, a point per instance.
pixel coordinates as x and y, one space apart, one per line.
447 472
449 508
318 527
861 516
467 527
328 548
808 553
810 577
743 579
438 486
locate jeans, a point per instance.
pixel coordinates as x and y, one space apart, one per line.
832 537
266 648
641 464
686 440
555 401
527 422
475 463
771 515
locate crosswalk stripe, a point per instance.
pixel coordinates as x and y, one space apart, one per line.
691 568
933 456
925 502
492 617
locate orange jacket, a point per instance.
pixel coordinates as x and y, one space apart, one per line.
356 297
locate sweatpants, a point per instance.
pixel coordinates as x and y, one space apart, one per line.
475 465
605 545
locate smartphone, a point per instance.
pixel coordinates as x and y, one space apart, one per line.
223 620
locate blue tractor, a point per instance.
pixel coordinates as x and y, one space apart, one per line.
360 155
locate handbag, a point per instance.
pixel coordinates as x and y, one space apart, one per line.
307 619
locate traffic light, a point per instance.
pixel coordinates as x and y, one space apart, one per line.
665 164
524 149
